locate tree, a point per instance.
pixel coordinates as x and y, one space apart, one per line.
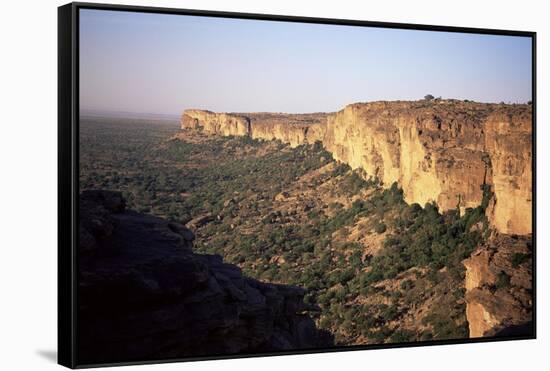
428 97
380 228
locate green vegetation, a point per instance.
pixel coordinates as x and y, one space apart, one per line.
519 258
236 182
503 281
380 228
425 238
162 177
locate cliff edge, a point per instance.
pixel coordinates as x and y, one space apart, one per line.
144 294
445 151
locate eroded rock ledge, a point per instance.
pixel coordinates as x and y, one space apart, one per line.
442 150
143 294
499 288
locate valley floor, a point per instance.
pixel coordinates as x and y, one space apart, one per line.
375 269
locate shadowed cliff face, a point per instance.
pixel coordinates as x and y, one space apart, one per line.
144 294
442 150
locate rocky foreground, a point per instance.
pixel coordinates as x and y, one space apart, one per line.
144 294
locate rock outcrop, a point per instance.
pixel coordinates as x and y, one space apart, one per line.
144 294
441 150
499 288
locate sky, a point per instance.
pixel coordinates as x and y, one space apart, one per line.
163 64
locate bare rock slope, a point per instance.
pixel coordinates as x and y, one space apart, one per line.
499 287
144 294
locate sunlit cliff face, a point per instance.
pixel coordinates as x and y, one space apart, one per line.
444 150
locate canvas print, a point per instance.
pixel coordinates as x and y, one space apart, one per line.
258 186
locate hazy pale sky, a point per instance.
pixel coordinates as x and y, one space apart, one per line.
156 63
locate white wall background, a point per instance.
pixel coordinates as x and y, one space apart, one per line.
28 155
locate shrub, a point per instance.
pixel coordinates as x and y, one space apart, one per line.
353 183
407 285
519 258
402 336
340 293
341 169
426 335
380 228
503 280
376 337
346 276
428 97
389 313
432 276
325 322
445 328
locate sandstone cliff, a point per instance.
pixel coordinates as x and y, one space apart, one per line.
143 294
442 150
499 288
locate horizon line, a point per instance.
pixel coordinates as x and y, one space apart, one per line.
93 111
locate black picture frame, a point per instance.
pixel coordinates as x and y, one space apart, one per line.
68 171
